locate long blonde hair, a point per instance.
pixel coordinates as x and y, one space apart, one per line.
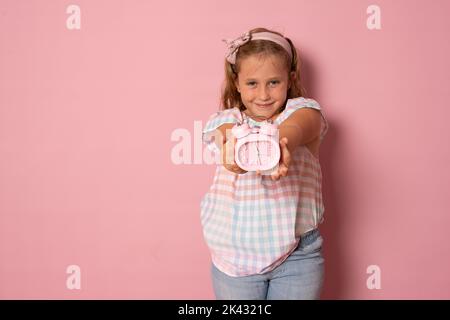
231 97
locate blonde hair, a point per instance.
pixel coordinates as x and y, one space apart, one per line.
230 97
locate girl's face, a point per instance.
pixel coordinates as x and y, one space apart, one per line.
263 83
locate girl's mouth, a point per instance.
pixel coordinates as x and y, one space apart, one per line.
264 105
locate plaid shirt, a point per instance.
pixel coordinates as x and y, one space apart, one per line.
250 223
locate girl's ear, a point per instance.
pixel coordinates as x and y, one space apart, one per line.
292 77
236 83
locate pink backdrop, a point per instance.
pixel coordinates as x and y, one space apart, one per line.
86 123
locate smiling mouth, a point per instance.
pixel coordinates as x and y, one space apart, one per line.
264 105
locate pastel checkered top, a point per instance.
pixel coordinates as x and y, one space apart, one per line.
251 223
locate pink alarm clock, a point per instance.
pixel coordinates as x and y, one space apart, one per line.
257 148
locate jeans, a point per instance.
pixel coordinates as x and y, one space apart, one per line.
299 277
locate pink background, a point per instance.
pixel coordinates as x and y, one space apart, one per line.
86 118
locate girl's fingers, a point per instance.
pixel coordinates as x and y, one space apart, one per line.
276 174
283 170
238 169
284 161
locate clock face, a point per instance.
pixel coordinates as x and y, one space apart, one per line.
256 153
259 153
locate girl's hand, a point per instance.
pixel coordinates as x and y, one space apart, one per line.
228 156
285 160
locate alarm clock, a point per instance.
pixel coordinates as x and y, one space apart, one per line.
258 147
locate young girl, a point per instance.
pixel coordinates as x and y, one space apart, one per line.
262 230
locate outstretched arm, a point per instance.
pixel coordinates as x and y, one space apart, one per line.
226 142
302 127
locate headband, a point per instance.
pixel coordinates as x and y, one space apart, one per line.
233 45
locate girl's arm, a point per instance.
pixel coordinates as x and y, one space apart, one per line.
220 134
226 146
302 127
223 131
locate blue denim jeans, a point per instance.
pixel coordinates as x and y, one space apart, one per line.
299 277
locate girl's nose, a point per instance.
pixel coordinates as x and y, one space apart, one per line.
263 93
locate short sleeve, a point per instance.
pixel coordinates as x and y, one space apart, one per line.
299 103
215 121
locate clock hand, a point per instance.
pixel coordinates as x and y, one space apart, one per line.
259 159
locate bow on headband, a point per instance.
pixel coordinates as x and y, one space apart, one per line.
233 46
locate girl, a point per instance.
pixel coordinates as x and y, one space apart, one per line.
262 230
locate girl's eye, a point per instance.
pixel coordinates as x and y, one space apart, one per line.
273 81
